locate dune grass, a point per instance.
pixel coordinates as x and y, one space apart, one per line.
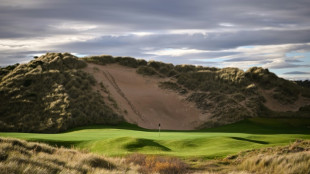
19 156
207 144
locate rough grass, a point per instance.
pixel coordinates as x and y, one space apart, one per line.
291 159
157 164
18 156
51 94
107 59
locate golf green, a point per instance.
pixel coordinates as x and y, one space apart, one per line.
207 143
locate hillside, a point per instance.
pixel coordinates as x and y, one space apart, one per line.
56 91
219 96
50 94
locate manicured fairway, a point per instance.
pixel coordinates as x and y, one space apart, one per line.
208 143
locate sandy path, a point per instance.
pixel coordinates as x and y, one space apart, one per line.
142 102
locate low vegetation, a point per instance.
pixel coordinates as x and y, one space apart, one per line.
50 94
305 83
18 156
157 164
291 159
107 59
173 86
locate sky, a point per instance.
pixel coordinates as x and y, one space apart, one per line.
273 34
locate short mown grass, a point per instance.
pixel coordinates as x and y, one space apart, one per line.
206 144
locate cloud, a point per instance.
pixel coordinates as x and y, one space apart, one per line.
222 33
226 24
297 72
281 64
175 52
74 26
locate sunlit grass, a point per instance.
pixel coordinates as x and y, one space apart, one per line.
208 143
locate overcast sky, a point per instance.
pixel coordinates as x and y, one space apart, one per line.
274 34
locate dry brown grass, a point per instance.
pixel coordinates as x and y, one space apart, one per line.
17 156
292 159
158 164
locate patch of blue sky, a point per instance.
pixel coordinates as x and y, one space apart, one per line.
285 70
305 55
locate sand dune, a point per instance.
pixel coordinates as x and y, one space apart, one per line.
142 102
274 105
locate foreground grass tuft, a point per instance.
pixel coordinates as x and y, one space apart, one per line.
158 164
291 159
18 156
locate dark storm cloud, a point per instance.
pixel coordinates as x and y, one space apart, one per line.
246 59
297 72
212 41
216 27
156 15
294 61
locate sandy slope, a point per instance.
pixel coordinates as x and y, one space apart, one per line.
274 105
141 101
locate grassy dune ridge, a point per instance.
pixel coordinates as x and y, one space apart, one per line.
50 94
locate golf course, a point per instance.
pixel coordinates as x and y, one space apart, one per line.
104 114
211 143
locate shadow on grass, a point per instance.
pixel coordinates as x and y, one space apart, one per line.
123 125
145 143
249 140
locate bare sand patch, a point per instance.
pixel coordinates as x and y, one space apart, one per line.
142 102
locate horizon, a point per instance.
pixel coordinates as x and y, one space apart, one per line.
242 34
